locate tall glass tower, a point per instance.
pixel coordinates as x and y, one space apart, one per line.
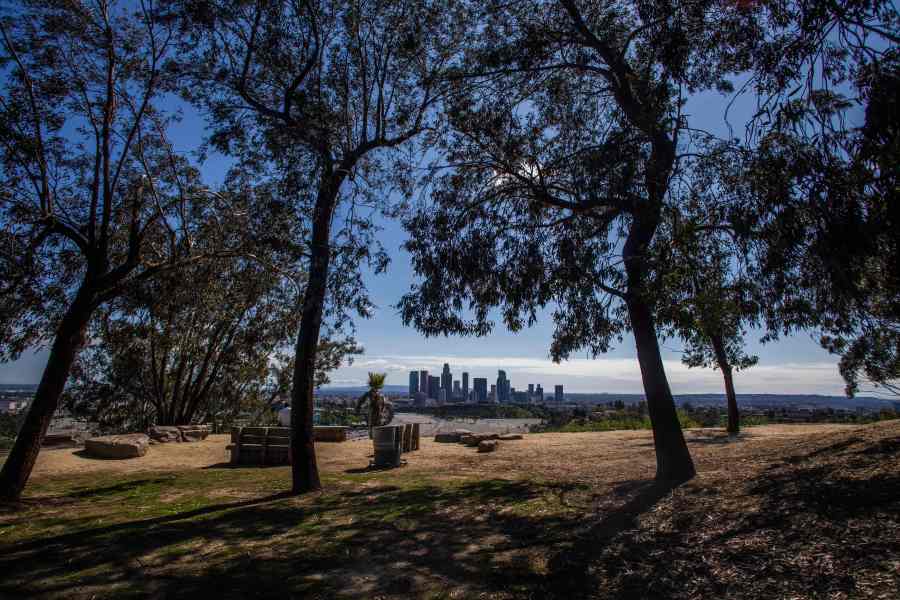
447 380
502 387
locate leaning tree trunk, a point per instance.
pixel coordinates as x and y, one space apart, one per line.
673 460
69 340
304 470
734 416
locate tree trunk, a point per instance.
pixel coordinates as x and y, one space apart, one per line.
673 460
69 340
734 416
304 470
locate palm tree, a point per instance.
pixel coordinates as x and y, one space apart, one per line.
375 400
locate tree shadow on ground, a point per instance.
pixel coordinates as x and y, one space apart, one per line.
717 437
380 540
811 526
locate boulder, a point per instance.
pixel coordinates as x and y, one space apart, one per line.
446 438
476 438
130 445
162 434
488 445
510 436
461 432
68 438
193 433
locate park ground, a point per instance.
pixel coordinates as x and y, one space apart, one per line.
806 511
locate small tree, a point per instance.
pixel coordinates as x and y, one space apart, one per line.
706 297
327 93
373 400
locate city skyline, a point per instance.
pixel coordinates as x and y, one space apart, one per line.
778 372
614 375
425 388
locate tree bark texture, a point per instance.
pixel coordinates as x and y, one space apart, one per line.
69 340
734 416
673 460
304 470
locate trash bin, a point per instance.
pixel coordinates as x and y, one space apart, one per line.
387 441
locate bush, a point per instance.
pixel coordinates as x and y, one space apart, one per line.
9 425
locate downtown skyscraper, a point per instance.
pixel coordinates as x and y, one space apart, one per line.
502 387
447 381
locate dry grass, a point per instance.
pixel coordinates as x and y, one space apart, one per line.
805 511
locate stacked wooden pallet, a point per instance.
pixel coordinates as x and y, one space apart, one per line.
260 445
272 445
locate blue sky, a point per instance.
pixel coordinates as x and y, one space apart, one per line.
792 365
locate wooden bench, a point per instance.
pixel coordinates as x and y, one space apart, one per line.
272 445
260 445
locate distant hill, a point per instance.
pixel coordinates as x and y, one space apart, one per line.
14 387
756 400
359 389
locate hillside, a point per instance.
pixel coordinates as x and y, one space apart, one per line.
781 511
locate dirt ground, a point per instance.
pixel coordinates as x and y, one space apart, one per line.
808 512
556 455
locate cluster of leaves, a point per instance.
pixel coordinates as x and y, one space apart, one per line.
824 227
215 348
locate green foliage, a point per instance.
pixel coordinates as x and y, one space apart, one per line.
622 420
214 350
339 415
749 421
823 205
376 381
86 210
9 425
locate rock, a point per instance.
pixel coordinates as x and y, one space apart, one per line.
446 438
488 445
68 438
193 433
162 434
476 438
510 436
461 432
130 445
